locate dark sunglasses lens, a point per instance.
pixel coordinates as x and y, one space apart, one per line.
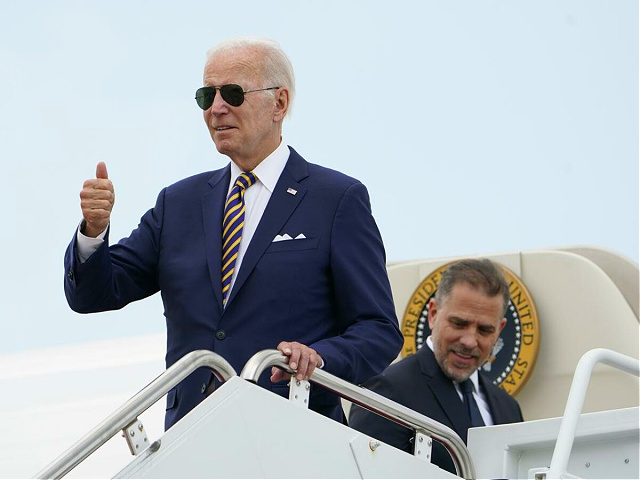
232 94
205 96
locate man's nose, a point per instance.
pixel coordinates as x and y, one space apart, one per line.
469 339
219 106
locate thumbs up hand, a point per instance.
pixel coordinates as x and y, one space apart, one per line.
96 201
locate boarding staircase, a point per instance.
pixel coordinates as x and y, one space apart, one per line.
588 302
244 431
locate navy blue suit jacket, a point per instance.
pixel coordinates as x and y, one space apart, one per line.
418 382
329 291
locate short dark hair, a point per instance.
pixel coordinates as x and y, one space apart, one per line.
479 273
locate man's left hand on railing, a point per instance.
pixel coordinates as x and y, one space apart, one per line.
301 358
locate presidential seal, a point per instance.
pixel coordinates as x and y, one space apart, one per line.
513 356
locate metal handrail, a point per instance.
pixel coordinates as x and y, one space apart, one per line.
373 402
137 404
575 402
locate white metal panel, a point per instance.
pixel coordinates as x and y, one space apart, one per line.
580 309
606 446
389 462
244 431
623 271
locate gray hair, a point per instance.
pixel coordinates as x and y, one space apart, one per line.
479 273
277 69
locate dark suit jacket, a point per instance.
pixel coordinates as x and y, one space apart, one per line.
418 383
329 291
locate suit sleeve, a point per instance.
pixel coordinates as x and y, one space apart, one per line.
116 275
369 337
376 426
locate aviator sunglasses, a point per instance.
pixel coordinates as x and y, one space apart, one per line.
231 93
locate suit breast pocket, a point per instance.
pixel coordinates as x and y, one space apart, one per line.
293 245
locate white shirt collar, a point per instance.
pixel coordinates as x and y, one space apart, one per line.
269 170
473 377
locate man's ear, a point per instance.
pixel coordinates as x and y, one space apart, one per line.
433 311
281 104
502 324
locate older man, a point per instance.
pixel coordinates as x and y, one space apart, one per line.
268 252
441 380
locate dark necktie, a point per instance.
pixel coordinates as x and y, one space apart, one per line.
470 403
232 225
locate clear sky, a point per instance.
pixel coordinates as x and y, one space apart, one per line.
478 126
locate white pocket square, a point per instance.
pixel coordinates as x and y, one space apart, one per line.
280 238
286 236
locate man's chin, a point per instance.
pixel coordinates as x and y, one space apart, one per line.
223 146
221 149
458 374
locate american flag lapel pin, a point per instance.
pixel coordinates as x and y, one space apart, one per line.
292 191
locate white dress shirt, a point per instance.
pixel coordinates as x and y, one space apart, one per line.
256 198
480 398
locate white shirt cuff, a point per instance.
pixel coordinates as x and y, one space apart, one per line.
86 246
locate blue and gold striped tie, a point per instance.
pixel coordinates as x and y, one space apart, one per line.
232 226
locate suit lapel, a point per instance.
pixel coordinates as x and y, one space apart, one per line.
492 400
444 392
280 207
212 211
